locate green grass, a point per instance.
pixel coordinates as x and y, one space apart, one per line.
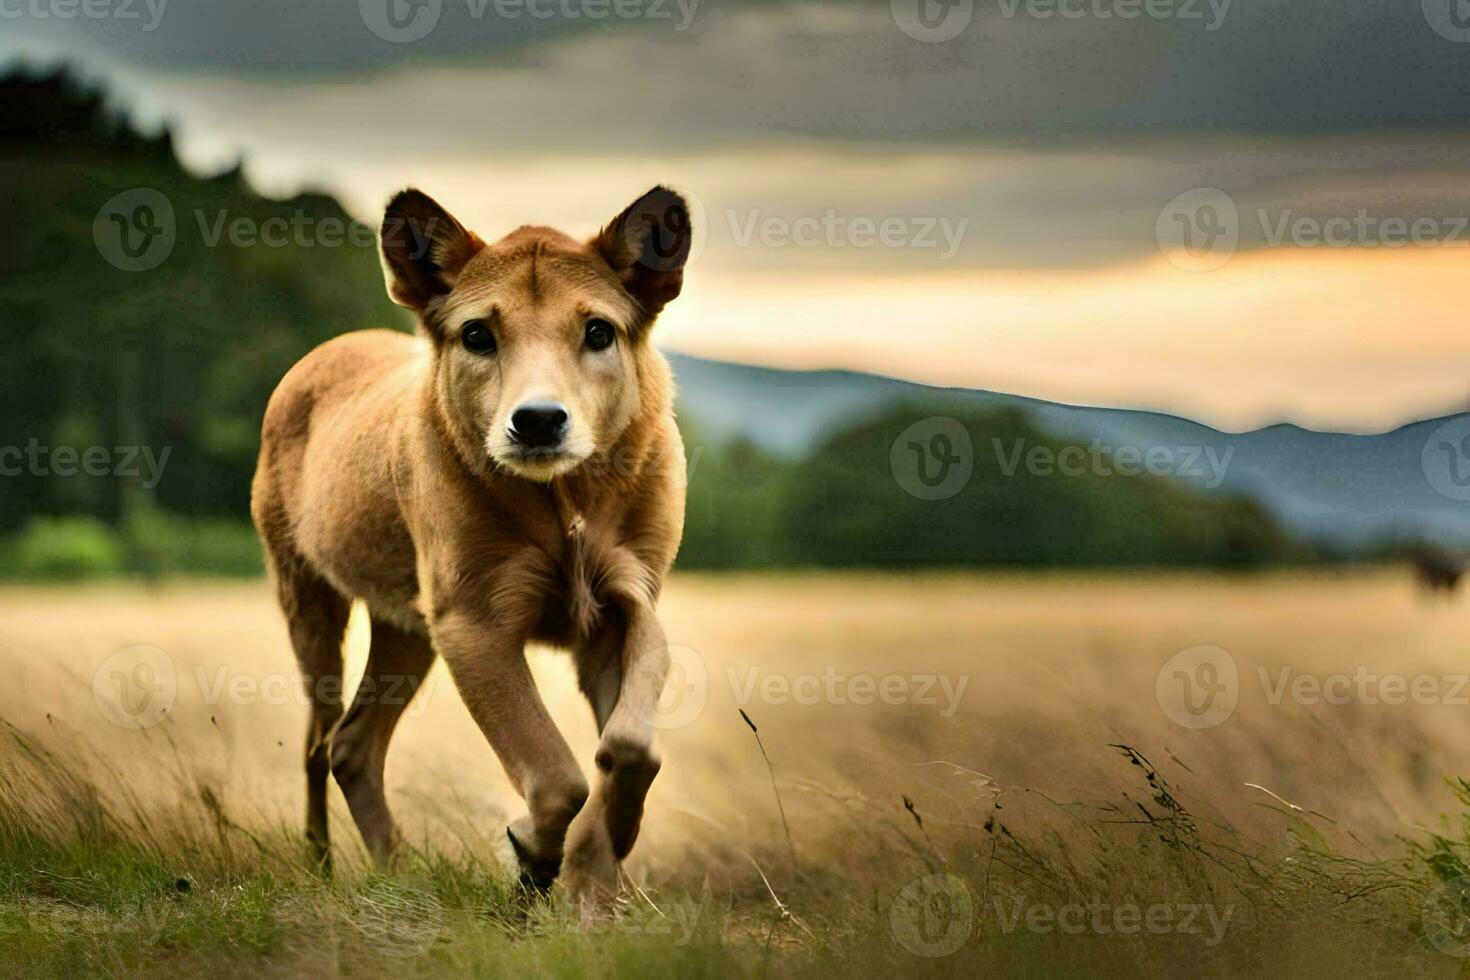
95 886
115 911
99 882
117 907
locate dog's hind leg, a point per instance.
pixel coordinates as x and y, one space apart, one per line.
316 616
397 663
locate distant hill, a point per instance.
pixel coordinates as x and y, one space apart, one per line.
1350 491
901 488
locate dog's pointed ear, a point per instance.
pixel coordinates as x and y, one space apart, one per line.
647 246
424 249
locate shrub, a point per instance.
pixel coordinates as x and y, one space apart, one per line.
66 549
159 543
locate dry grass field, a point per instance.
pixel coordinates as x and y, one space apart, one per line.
966 773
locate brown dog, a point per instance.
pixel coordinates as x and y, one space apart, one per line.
511 474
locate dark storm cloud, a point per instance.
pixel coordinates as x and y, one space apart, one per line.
1300 113
1017 67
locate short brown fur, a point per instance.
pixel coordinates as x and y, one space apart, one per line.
391 471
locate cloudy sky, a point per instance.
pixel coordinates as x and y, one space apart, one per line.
1237 210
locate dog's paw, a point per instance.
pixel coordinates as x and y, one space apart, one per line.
536 873
630 767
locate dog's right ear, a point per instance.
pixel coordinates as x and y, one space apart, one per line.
424 249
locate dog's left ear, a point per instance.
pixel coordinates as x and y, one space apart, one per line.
647 246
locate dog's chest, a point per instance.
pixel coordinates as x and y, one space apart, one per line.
584 599
580 573
576 605
597 568
600 571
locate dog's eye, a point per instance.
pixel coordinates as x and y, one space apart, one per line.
478 338
598 335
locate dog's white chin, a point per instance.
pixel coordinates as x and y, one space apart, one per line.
541 469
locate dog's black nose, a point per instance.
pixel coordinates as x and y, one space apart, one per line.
539 426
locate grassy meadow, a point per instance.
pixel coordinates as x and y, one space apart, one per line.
941 775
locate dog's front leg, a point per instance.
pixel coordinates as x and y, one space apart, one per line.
487 659
638 656
626 756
